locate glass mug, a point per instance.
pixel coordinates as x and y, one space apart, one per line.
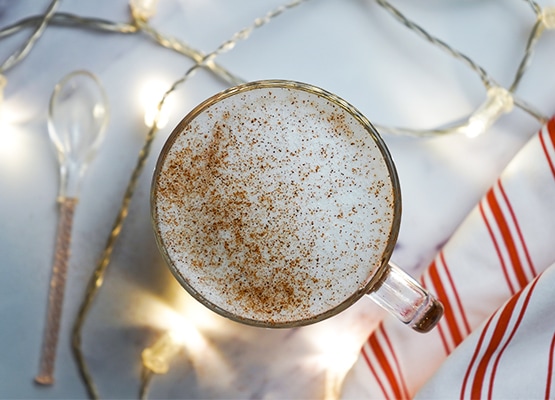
277 204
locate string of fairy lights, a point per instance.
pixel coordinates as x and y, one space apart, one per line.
499 100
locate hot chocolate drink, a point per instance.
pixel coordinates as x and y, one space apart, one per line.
275 203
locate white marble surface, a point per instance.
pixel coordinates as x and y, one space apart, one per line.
351 48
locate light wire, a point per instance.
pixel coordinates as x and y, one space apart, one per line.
29 43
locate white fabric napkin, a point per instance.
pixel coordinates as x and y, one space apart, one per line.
497 336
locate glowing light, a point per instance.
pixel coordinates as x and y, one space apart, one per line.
180 335
337 352
12 139
150 96
11 142
183 335
499 101
143 9
336 364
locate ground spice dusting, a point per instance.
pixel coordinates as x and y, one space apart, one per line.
270 206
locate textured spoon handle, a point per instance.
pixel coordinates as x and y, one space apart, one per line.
56 293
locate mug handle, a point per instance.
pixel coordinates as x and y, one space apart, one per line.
404 297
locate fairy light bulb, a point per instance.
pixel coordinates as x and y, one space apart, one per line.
157 357
150 96
498 102
547 17
143 10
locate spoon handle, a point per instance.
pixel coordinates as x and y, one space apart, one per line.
56 293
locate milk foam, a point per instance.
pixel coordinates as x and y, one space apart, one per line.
274 205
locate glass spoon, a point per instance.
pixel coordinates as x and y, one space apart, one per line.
77 120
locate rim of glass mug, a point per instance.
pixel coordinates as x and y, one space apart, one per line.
376 277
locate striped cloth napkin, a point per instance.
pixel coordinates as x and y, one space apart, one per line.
496 279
